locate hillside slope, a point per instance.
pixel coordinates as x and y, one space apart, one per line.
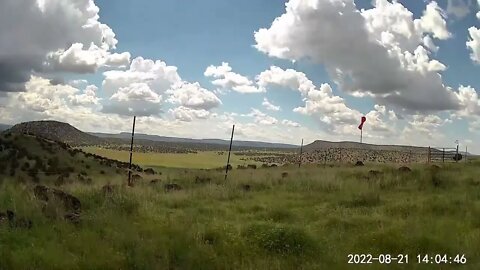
29 158
321 145
56 131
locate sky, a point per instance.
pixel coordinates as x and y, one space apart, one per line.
281 71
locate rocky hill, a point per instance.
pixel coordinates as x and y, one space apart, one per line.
56 131
29 158
322 145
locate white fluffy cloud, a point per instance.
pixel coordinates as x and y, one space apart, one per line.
193 96
425 127
386 62
227 79
79 60
262 118
188 114
269 106
33 29
139 89
42 99
157 74
433 21
473 43
469 100
134 99
290 123
87 98
322 104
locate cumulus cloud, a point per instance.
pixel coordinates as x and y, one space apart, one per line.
225 78
262 118
42 99
425 126
322 104
87 98
473 44
269 106
459 8
193 96
156 74
79 60
188 114
388 61
140 89
135 99
290 123
43 27
469 101
433 21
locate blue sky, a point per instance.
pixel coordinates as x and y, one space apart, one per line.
193 35
407 106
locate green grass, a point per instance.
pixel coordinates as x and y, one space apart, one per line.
200 160
311 219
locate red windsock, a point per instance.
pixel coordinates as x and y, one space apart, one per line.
363 121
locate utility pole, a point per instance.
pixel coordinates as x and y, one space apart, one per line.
131 153
229 151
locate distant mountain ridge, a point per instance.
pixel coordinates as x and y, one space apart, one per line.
4 127
157 138
63 132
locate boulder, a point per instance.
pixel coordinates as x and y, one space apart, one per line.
149 171
136 177
246 187
71 204
359 163
202 180
11 219
404 169
155 181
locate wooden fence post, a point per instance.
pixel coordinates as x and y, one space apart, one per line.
131 153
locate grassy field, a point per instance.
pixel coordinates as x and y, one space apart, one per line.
200 160
309 218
